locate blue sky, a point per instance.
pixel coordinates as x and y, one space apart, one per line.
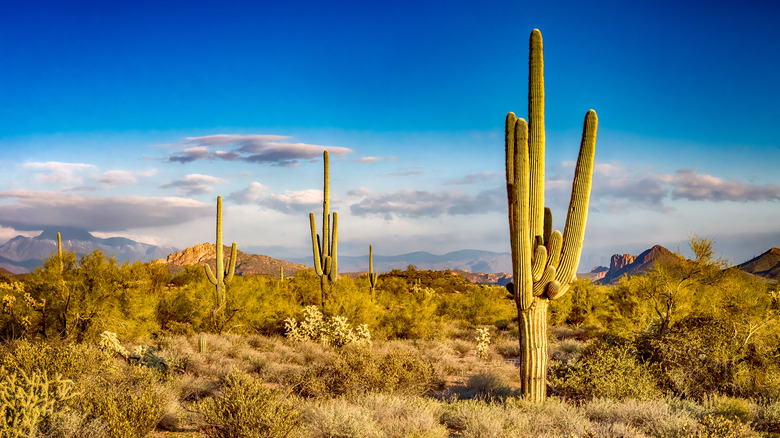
128 119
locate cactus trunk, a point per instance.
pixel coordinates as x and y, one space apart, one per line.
544 262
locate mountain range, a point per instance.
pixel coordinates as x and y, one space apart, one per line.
22 254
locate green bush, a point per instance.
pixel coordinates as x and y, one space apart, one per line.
696 357
244 408
605 370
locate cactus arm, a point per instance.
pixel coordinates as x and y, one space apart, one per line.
574 231
334 262
232 262
539 262
536 140
210 275
315 243
548 222
521 204
554 253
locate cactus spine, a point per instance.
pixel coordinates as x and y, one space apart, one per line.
221 278
544 263
373 277
325 261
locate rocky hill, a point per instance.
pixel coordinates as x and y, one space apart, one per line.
766 265
246 264
626 264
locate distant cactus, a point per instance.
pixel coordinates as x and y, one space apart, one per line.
59 251
324 249
202 343
222 277
544 263
373 277
281 273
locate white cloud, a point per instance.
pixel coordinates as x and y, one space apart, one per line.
116 178
60 173
250 194
374 159
36 210
268 149
194 184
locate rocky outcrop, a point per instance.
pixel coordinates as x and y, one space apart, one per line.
639 265
620 261
246 264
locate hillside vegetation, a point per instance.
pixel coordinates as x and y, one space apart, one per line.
102 349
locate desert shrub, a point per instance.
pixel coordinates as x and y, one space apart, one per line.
334 331
358 371
129 401
330 418
72 361
28 402
400 416
244 408
605 370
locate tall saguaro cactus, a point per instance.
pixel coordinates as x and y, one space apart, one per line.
544 263
221 278
325 248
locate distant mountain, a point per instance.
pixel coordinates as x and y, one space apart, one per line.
766 265
246 264
23 254
465 260
626 264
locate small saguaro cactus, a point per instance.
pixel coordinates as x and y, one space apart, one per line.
544 263
59 250
202 343
324 249
373 277
221 278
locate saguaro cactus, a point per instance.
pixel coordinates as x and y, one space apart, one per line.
59 250
544 263
373 277
221 278
324 249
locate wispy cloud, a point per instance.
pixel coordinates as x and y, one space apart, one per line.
116 178
266 149
60 173
475 178
618 188
194 184
295 201
416 203
36 210
248 195
374 159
